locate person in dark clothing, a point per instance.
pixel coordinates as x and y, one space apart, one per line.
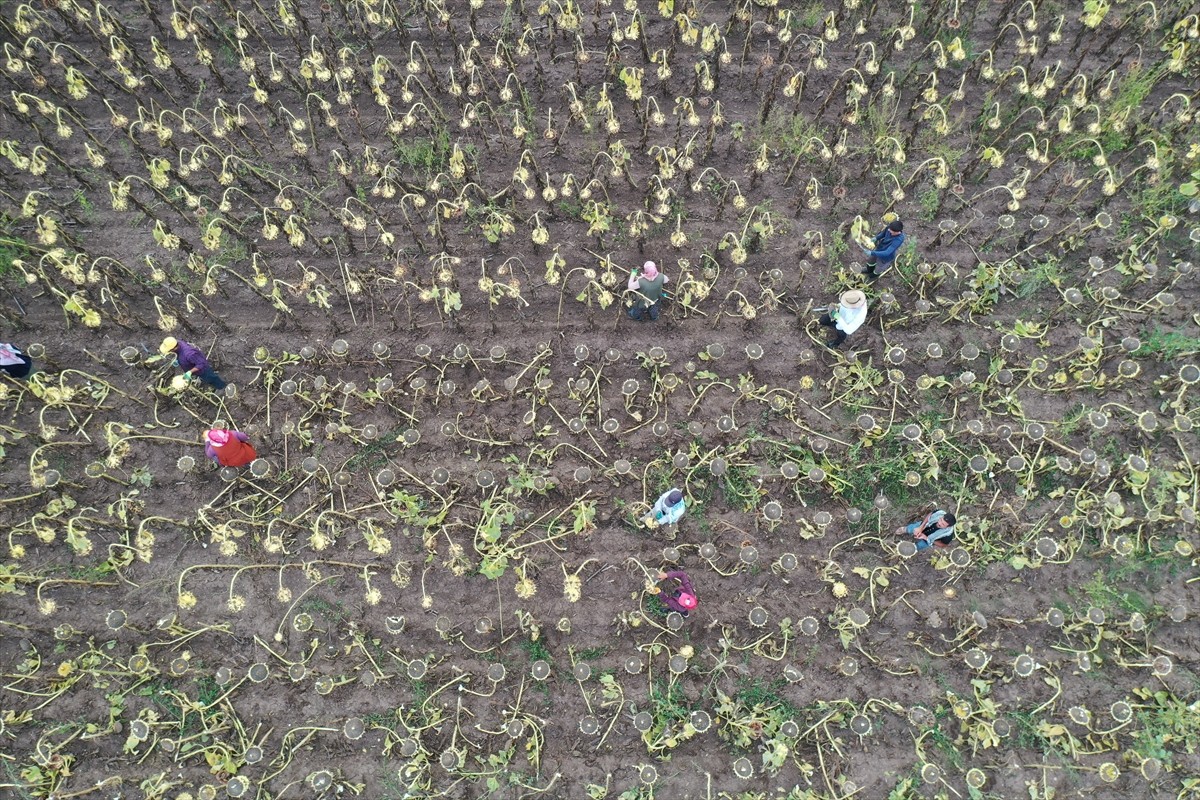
649 283
680 596
13 362
887 246
193 363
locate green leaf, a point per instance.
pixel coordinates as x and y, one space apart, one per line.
493 567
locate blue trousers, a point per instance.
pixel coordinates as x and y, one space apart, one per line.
913 527
209 376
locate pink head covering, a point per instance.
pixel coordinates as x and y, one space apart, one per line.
650 270
687 600
218 437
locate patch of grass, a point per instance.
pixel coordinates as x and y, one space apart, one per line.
1043 273
1166 345
930 201
335 611
838 247
536 650
669 701
1025 732
571 209
426 155
808 17
592 653
1168 725
373 456
738 486
1072 419
790 132
207 690
753 692
12 248
1100 591
945 745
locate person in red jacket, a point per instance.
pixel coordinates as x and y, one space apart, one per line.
228 448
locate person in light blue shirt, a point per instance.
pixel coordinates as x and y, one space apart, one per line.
669 508
935 528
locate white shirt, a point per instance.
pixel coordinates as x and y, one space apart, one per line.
9 355
850 319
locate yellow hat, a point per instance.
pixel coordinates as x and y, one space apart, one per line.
168 345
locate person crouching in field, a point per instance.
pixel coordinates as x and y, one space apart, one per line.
934 529
847 317
667 510
193 363
228 448
680 596
649 283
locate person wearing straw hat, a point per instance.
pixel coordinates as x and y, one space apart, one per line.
193 363
680 596
647 282
887 245
848 317
228 448
13 362
667 510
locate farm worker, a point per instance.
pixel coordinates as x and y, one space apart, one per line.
679 597
649 283
193 363
887 245
13 362
935 528
848 317
668 508
228 448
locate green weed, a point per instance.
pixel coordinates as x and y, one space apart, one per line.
1101 593
427 156
536 650
930 201
1166 345
790 132
12 248
335 612
1043 273
592 653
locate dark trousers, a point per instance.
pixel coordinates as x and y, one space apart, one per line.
211 377
875 267
19 370
839 336
641 311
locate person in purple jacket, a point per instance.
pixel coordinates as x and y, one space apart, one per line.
679 597
887 245
193 363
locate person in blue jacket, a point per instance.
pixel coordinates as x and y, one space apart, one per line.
887 246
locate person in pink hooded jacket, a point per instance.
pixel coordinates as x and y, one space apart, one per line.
647 282
228 448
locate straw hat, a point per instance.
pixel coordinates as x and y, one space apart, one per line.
217 437
853 299
168 345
